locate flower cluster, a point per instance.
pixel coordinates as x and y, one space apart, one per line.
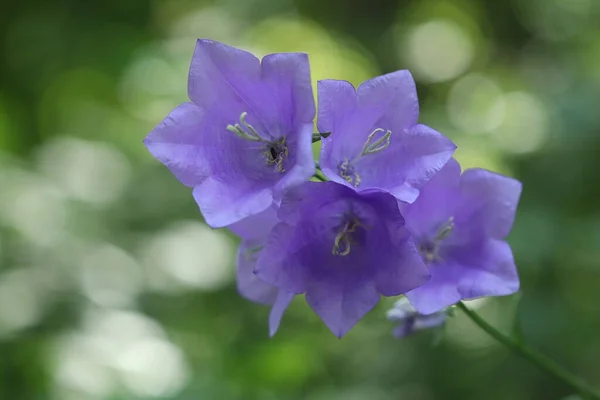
387 213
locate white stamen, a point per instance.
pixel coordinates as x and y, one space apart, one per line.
380 144
249 133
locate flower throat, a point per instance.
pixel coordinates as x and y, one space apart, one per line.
371 146
346 237
430 249
274 151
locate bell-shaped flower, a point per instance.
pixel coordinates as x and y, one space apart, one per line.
409 321
254 232
246 134
375 140
343 249
460 223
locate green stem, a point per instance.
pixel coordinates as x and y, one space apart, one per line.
540 360
319 174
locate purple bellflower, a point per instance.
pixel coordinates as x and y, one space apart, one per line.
410 321
375 141
459 223
343 249
246 134
254 232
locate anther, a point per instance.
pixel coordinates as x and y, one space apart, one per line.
347 172
276 153
429 251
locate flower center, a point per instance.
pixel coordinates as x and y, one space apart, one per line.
430 249
345 238
371 146
275 151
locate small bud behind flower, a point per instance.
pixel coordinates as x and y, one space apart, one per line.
410 321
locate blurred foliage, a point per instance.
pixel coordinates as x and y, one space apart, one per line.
112 288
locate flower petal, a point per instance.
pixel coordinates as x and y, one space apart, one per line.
341 308
174 142
256 226
405 271
492 272
388 102
276 93
224 203
395 94
440 292
281 304
347 124
222 168
430 321
447 176
337 102
436 202
276 267
469 273
400 267
304 167
219 72
248 285
303 200
289 76
492 200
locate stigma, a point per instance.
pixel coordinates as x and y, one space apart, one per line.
375 146
344 239
244 130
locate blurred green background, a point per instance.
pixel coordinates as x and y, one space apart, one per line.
112 288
